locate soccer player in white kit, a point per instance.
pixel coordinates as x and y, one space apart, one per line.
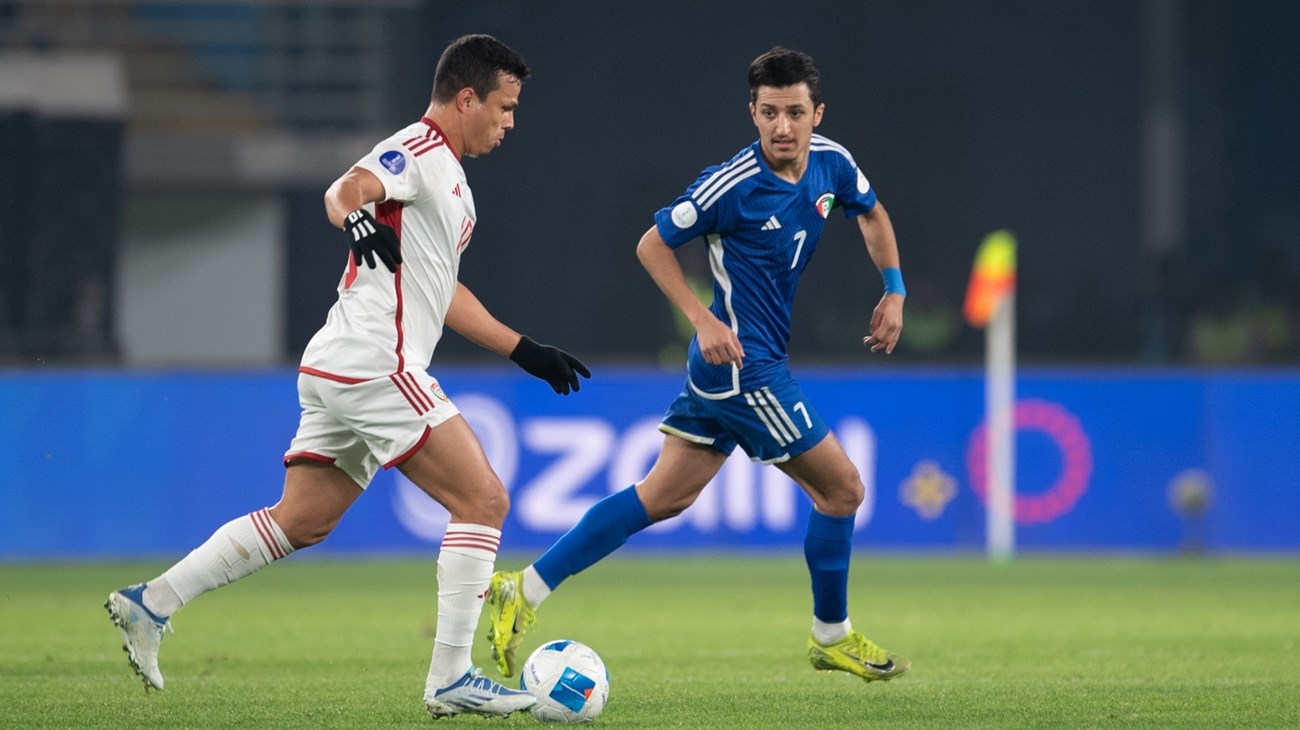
367 398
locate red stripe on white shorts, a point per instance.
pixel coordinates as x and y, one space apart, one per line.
308 455
405 389
411 451
420 395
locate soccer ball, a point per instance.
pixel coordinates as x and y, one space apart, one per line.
569 680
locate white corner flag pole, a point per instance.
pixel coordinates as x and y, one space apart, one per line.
1000 399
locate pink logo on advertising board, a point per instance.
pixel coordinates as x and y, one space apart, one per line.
1063 428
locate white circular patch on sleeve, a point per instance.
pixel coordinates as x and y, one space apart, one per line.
863 185
684 214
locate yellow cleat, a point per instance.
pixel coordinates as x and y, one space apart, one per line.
856 654
509 618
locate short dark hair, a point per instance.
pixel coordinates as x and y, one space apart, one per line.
782 67
475 61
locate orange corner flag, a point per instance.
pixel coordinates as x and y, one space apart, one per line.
992 278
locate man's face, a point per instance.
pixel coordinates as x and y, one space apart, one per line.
488 119
785 118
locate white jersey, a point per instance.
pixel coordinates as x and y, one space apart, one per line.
385 323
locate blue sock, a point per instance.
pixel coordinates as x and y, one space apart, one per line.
826 547
604 529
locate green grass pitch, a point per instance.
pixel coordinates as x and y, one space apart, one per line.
692 642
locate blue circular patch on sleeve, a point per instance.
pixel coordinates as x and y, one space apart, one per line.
393 161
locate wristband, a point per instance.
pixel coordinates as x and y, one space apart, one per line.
894 281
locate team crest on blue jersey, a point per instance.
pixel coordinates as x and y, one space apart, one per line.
825 203
393 161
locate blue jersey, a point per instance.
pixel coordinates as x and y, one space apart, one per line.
761 231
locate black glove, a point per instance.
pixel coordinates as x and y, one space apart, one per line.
370 238
555 366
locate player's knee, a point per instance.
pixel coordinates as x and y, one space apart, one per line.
488 504
854 495
845 496
499 504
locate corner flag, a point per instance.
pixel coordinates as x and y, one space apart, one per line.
992 278
991 305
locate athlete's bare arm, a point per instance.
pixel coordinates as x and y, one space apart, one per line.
878 232
882 246
468 317
357 187
718 343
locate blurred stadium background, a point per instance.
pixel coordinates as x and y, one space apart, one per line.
164 257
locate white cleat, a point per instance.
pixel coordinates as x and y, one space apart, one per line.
475 694
142 632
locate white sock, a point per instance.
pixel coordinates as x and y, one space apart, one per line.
826 633
237 549
535 589
465 564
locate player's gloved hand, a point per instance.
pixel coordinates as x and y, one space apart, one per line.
370 238
555 366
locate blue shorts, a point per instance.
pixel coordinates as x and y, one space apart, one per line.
772 423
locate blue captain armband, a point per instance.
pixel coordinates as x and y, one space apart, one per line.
894 281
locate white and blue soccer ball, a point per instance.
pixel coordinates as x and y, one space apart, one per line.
569 680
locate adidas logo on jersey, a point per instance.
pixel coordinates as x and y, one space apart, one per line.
772 224
456 190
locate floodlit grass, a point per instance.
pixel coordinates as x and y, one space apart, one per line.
690 642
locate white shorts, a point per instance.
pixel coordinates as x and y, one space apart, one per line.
359 427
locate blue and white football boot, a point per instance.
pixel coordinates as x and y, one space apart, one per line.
142 632
475 694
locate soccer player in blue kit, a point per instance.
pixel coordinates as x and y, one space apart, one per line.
762 215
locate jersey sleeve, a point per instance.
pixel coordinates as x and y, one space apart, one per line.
396 168
686 219
854 192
